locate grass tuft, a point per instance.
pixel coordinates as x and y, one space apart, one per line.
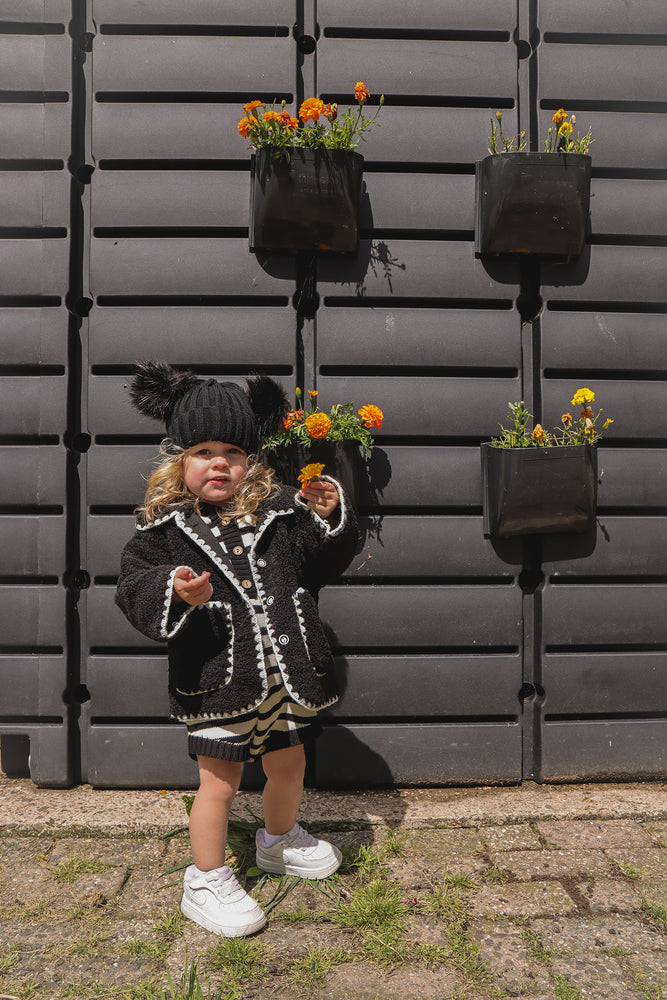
70 869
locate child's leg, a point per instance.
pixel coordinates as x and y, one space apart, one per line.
284 847
284 770
219 782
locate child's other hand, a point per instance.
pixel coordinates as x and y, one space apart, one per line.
321 496
190 588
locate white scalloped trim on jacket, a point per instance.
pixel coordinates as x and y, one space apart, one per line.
169 593
322 522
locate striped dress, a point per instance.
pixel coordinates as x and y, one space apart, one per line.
279 721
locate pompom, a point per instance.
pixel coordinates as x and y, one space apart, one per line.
157 387
268 402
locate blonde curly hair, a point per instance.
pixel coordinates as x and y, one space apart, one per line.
166 486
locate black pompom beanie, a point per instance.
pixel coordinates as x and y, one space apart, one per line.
196 410
213 411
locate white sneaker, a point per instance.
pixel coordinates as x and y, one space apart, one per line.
297 853
216 901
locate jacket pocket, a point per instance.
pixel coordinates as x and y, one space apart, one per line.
202 655
312 633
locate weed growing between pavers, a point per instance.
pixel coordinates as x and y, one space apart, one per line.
565 990
495 875
655 914
70 869
311 969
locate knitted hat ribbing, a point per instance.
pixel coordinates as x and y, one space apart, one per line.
213 411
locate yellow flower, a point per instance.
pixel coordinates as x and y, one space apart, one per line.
583 396
311 471
538 433
559 117
371 415
565 129
318 425
606 423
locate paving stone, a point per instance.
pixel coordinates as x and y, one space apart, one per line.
654 890
147 896
577 935
657 832
518 837
127 851
505 953
647 967
649 861
590 834
364 981
526 865
599 976
420 875
608 895
522 899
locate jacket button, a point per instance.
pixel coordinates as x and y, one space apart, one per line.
226 520
283 640
261 563
246 584
238 550
270 600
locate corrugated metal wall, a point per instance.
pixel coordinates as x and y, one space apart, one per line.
462 659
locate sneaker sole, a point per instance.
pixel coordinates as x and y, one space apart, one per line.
222 931
276 868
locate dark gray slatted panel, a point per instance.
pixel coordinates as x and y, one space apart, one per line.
626 402
602 750
145 756
149 130
154 266
36 10
150 12
608 274
612 340
618 206
218 335
192 64
604 677
612 15
171 198
433 405
429 14
35 70
349 756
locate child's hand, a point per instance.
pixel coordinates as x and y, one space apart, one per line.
190 588
321 496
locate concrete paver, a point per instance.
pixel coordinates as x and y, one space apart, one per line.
543 892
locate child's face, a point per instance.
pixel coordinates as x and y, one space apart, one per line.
214 470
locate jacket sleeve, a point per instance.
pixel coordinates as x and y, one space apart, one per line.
325 548
145 590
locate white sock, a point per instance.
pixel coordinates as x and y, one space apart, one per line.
198 871
272 838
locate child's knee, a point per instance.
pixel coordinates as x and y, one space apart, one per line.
285 765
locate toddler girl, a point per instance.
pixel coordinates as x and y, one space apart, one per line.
226 566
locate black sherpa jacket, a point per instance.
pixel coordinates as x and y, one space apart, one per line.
216 662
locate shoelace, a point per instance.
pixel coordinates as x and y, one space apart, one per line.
224 885
301 839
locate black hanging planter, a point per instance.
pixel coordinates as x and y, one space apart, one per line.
306 200
342 461
532 203
532 490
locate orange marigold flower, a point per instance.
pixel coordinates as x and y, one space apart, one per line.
271 116
287 121
318 425
566 419
538 433
371 415
313 107
251 105
311 471
288 422
330 111
313 392
244 126
298 415
361 92
559 117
